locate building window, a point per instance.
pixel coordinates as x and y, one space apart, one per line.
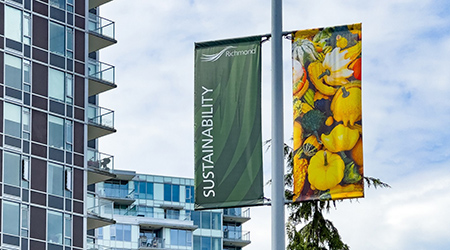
55 179
26 28
120 232
57 38
58 3
216 221
206 220
190 194
207 243
172 192
12 166
13 71
56 84
60 86
100 233
13 24
13 117
69 88
180 237
70 42
27 74
11 218
144 190
25 220
55 227
26 123
67 229
56 132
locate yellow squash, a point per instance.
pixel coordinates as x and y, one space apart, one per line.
348 191
341 138
346 104
325 170
315 70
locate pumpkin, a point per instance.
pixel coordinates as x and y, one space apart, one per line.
311 145
341 138
357 69
346 104
325 170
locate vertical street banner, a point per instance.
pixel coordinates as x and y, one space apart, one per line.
328 153
228 140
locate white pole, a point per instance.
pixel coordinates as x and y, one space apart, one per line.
278 227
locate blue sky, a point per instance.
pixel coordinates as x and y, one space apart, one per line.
406 55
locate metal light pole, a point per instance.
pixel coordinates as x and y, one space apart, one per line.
278 226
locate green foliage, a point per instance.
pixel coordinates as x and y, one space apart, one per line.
317 233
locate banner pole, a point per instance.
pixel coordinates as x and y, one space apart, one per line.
277 209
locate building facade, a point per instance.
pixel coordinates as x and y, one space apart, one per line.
157 212
50 79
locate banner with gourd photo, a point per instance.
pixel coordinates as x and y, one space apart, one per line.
328 156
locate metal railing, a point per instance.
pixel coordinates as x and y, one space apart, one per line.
100 160
99 207
101 71
101 116
101 26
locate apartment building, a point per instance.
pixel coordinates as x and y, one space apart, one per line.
50 82
157 212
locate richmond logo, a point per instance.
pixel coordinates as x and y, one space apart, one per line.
227 51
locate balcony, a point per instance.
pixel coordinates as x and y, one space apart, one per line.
100 166
236 215
120 197
99 211
96 3
91 245
100 122
101 32
101 77
150 243
236 239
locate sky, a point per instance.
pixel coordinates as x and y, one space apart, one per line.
406 111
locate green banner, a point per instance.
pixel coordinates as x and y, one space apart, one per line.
227 105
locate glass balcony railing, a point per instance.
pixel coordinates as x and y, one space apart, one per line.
91 245
101 116
234 235
116 193
99 207
100 160
237 212
101 71
134 210
101 26
155 242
